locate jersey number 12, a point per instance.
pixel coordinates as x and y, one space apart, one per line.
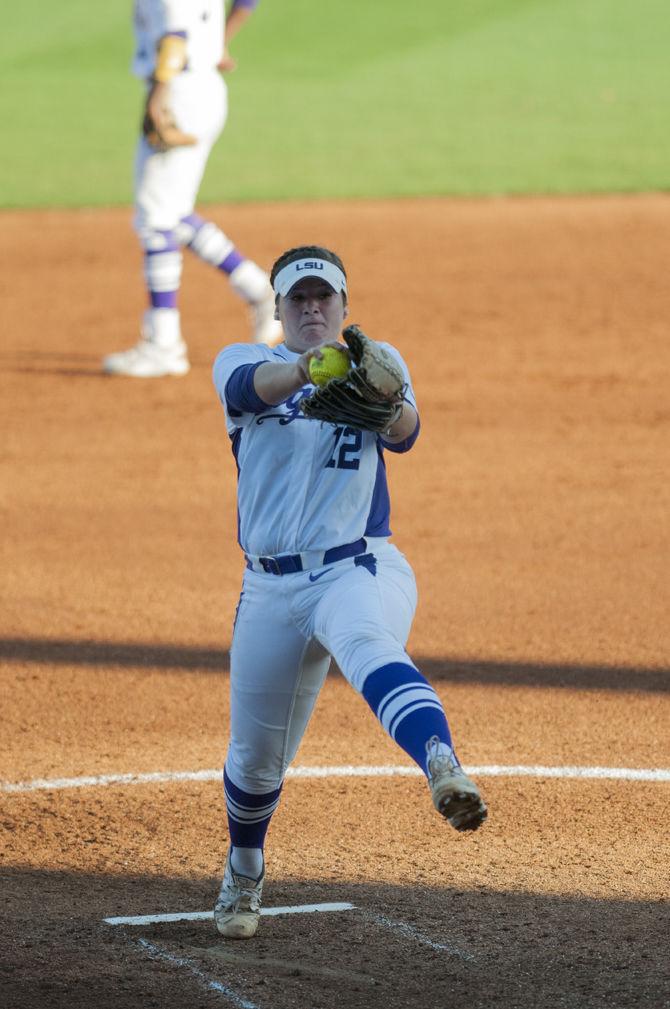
348 443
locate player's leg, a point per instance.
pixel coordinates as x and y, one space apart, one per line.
275 678
247 279
161 349
165 184
364 619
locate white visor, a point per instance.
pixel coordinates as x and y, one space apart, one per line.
289 276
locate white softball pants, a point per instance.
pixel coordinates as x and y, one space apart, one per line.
286 630
167 183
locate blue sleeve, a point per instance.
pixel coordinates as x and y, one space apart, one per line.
403 446
249 4
241 396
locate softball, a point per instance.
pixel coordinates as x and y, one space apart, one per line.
333 364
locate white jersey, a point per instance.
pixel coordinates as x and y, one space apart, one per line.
302 485
202 22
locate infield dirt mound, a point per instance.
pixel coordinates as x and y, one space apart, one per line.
534 511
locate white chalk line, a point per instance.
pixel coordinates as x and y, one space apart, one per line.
654 774
155 919
158 953
408 931
402 928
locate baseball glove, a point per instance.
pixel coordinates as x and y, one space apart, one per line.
162 133
370 395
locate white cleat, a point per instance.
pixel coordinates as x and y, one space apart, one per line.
455 796
238 907
148 360
265 328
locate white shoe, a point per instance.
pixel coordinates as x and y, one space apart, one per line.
455 796
265 328
238 907
148 360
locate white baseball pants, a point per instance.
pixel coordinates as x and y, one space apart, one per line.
167 183
287 628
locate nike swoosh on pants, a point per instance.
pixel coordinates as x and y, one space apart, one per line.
315 578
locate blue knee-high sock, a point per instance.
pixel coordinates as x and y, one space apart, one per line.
408 708
249 813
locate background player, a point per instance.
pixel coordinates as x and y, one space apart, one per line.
322 578
180 47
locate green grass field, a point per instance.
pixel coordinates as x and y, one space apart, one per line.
347 98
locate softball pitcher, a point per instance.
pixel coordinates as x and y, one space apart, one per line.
181 47
322 578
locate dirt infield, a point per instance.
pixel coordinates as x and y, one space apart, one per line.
535 511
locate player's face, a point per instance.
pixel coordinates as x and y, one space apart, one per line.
312 313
